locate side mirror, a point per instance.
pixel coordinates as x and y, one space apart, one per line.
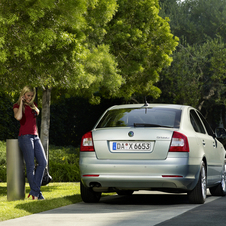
220 133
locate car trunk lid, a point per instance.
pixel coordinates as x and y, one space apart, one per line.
132 143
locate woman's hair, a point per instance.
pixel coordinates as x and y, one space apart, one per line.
27 89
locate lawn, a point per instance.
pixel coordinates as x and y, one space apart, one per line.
63 168
56 195
63 164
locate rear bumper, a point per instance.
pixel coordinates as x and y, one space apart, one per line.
172 173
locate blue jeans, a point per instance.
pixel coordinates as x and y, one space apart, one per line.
32 148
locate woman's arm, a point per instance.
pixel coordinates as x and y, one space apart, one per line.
36 109
18 112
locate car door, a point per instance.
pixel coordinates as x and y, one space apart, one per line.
217 151
208 144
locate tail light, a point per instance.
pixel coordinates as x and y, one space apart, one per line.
179 143
87 142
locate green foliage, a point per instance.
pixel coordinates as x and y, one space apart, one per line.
142 42
98 14
72 117
63 163
84 47
197 74
99 75
2 161
218 64
194 21
9 127
49 44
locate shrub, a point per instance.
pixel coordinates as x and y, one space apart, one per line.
63 163
72 117
9 126
3 161
2 173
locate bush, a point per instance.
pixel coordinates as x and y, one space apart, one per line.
2 161
63 163
2 173
72 117
9 126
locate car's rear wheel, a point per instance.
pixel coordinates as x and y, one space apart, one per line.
220 189
125 192
198 194
88 195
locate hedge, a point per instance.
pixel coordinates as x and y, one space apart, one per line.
63 163
70 118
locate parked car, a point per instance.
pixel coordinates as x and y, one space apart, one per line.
161 147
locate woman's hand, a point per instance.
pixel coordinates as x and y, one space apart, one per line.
37 110
22 99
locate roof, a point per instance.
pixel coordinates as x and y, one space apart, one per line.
174 106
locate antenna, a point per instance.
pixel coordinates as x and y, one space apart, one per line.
146 103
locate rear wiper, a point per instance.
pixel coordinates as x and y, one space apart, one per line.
149 125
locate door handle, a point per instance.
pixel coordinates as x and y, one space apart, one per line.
203 143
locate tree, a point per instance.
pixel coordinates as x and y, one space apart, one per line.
142 43
197 74
194 21
45 44
83 47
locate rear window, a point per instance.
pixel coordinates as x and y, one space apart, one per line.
141 117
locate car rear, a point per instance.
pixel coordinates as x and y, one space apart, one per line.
135 147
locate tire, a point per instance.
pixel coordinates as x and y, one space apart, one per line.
220 189
88 195
125 192
198 194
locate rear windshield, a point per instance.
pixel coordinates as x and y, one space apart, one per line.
141 117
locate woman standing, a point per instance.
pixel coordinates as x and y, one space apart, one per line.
26 111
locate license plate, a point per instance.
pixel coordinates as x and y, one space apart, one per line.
131 146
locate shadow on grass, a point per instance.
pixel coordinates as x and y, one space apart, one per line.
3 189
60 193
48 204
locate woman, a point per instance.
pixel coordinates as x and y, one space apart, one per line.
26 111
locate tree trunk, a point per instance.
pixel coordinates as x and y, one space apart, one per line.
210 94
45 122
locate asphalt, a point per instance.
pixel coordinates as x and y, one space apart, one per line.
140 209
212 214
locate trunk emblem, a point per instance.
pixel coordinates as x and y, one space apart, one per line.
131 133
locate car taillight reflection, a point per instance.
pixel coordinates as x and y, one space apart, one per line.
179 143
87 142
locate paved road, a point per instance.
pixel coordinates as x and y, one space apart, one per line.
140 209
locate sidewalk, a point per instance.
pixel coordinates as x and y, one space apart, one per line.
139 209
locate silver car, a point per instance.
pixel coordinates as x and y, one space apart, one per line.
161 147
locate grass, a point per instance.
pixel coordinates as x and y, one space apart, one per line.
56 195
63 167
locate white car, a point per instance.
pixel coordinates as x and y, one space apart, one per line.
162 147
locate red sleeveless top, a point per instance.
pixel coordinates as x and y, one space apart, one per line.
28 121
